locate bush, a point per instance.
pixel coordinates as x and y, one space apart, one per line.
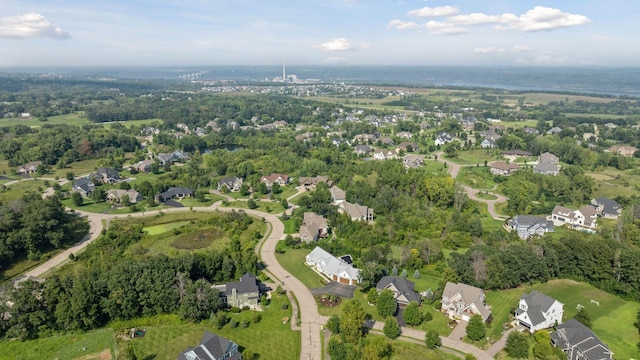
244 324
427 316
233 324
257 317
221 319
252 204
285 306
517 345
432 339
333 324
234 310
391 328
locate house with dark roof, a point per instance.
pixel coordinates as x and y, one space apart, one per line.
502 168
232 183
401 288
174 193
313 181
84 186
537 311
443 138
212 347
144 165
362 149
488 143
607 208
461 301
334 268
242 293
579 342
313 227
527 226
106 175
413 161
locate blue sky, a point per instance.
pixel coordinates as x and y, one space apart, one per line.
355 32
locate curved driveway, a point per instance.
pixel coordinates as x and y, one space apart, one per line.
454 169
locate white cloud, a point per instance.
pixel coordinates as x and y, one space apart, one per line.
502 50
402 25
443 28
339 44
30 25
438 11
539 18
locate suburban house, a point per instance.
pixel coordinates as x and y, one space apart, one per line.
240 294
404 135
545 168
212 347
106 175
305 137
401 288
502 168
170 158
313 227
384 154
337 195
364 138
488 143
530 131
443 138
585 216
461 301
357 212
174 193
84 186
332 267
548 157
527 226
144 165
409 146
272 178
385 140
579 342
554 130
232 183
413 161
609 209
624 150
362 149
537 311
29 168
312 182
117 195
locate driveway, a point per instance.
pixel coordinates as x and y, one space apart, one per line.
459 331
335 288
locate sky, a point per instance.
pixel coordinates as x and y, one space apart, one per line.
314 32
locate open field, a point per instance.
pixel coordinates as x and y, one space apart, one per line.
612 320
162 228
61 347
69 119
267 206
476 177
597 116
473 157
17 190
78 168
545 98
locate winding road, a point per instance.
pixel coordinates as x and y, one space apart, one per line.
454 169
311 322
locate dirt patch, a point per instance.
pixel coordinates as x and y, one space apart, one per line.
103 355
329 301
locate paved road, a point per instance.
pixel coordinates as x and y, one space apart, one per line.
454 169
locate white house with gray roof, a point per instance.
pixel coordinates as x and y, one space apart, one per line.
527 226
537 311
332 267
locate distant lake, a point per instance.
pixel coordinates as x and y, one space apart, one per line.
595 80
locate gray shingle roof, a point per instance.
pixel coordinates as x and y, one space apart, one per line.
574 335
537 304
404 286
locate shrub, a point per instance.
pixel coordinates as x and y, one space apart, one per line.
432 339
256 318
391 328
244 324
285 306
233 324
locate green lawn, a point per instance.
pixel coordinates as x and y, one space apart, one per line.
69 119
612 319
432 166
289 226
473 157
270 337
61 347
162 228
17 190
78 168
88 205
287 191
266 206
292 260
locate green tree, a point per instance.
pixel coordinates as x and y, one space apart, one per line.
376 348
275 188
69 176
391 328
252 204
386 304
432 339
262 188
583 317
244 190
412 314
200 301
476 329
352 321
77 199
372 296
517 345
333 324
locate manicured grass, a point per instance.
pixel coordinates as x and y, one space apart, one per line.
473 157
17 190
78 168
267 206
486 196
130 123
61 346
403 350
292 260
490 224
69 119
476 177
289 226
287 191
433 166
439 322
429 279
612 319
88 205
270 337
